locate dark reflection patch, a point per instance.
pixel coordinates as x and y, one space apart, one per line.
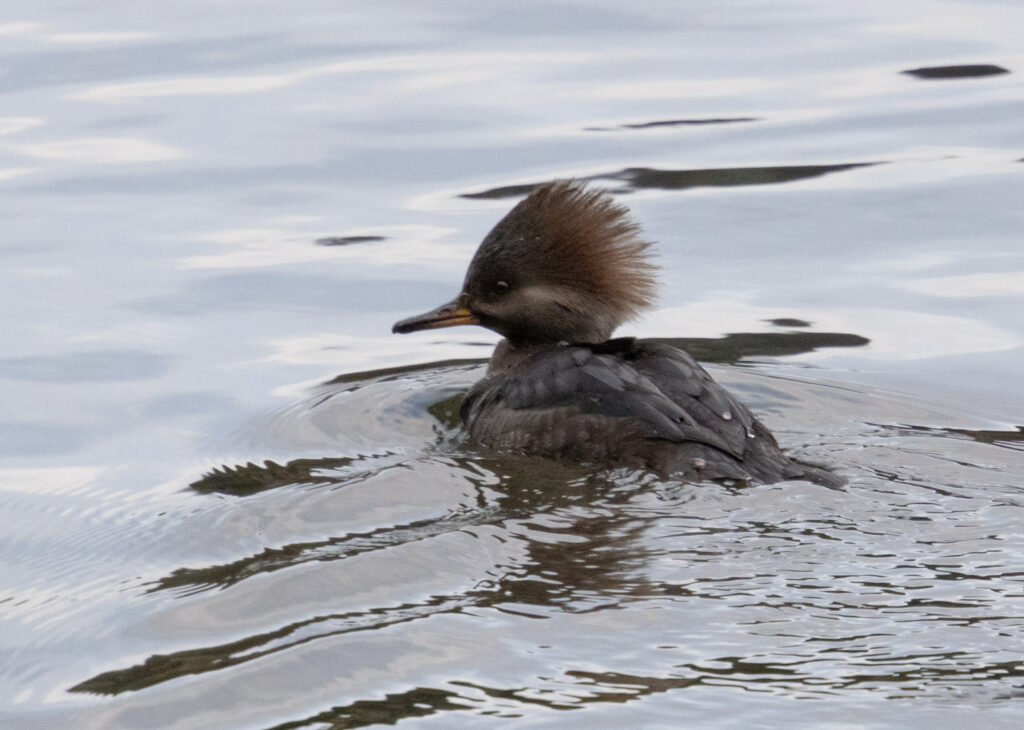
649 177
1007 439
734 347
788 322
967 71
346 240
416 702
673 123
646 177
507 191
245 479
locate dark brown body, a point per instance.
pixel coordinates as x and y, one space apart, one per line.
625 402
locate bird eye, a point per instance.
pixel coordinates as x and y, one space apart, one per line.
501 284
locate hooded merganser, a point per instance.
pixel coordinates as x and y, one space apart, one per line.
555 277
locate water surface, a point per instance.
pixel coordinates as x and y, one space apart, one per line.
233 499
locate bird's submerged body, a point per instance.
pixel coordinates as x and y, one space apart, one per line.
555 277
624 402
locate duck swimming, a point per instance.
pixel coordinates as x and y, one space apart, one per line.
555 277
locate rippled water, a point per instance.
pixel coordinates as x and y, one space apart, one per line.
232 499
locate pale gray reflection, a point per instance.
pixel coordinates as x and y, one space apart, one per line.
33 438
60 65
102 366
272 290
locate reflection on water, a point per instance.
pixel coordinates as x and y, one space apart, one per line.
347 240
894 584
738 345
240 481
526 491
957 72
673 123
1004 439
641 177
85 367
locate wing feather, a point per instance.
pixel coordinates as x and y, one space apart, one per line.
605 398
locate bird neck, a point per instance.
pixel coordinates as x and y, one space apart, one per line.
508 356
